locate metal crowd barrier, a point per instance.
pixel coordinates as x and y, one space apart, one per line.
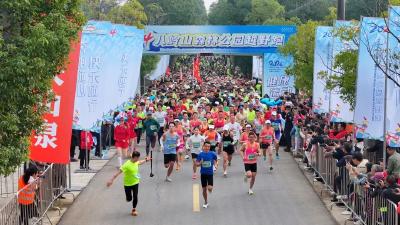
48 188
9 183
365 208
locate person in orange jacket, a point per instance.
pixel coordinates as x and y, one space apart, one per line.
26 195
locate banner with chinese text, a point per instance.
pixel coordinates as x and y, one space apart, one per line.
322 63
393 89
53 144
243 40
275 80
341 111
109 68
369 110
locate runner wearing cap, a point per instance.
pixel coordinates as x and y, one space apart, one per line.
194 143
276 123
267 137
249 152
228 149
245 135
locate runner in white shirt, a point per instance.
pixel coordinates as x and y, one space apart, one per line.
235 127
194 143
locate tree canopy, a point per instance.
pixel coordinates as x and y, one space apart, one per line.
35 38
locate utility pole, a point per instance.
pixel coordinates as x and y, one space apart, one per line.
341 9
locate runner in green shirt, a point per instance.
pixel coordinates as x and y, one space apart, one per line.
130 169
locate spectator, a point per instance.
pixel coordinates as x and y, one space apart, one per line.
26 196
84 149
393 166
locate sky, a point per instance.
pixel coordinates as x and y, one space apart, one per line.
208 3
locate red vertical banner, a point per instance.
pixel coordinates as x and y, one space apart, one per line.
53 144
168 72
196 69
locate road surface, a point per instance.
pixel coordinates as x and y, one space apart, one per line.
283 197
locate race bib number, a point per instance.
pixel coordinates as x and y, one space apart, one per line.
160 120
268 137
137 176
171 146
226 143
252 156
206 164
213 143
196 145
153 127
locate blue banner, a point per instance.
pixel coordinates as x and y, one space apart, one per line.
109 68
393 90
276 81
341 111
322 63
243 40
369 110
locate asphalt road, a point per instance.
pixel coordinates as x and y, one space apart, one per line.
283 197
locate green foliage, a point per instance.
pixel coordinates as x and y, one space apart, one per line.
367 8
282 21
131 13
97 9
301 47
307 9
262 10
226 12
344 78
149 63
155 14
34 46
184 12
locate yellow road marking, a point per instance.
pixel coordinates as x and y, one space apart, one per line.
196 198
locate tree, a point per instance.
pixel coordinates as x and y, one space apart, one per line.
97 9
34 46
307 9
367 8
282 21
261 10
301 48
155 14
227 12
184 12
131 13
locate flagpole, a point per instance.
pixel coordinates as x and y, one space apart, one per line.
385 98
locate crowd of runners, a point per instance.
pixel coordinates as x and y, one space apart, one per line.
207 122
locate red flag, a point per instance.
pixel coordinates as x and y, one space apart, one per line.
196 69
53 144
168 72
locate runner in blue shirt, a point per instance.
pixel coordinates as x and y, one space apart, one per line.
276 123
206 160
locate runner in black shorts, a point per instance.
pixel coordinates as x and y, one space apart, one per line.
250 152
207 160
228 148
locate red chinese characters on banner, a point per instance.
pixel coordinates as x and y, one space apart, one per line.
53 144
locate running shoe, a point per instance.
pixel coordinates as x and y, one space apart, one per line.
194 176
167 179
229 163
134 212
271 168
277 156
186 157
265 158
251 192
225 174
205 205
218 157
214 169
